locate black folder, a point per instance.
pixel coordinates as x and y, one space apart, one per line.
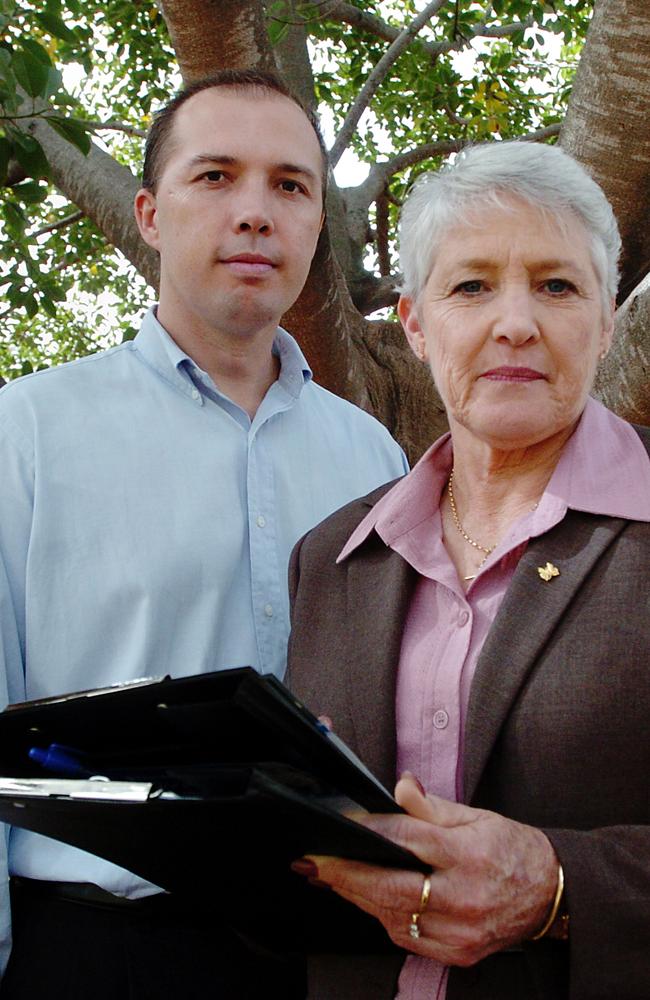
202 784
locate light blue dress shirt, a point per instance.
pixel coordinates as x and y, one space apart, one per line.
146 524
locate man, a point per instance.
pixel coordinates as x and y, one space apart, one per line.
149 501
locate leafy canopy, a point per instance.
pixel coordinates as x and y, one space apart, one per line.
95 71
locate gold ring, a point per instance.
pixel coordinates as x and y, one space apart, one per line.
414 926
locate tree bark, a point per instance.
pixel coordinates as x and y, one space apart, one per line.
622 382
209 35
399 390
606 126
292 58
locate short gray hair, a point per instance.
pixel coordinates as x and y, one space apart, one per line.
545 176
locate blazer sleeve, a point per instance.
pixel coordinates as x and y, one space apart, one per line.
559 725
607 885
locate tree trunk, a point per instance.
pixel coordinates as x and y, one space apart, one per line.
607 128
399 390
623 382
209 35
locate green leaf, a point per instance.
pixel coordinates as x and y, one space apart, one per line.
9 95
31 73
14 292
30 155
55 26
72 130
277 30
56 293
48 306
54 81
36 50
5 155
31 305
30 193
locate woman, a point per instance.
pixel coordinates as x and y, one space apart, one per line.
483 624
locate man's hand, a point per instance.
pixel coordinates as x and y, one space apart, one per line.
492 885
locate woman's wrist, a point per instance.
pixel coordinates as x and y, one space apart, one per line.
556 924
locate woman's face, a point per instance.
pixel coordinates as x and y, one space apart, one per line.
511 322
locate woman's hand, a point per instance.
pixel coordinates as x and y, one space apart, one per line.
492 884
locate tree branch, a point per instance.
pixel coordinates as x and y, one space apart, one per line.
401 40
293 61
374 183
63 265
358 199
103 189
61 224
377 76
370 293
505 30
345 13
383 255
139 133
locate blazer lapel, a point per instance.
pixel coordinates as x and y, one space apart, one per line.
531 610
380 585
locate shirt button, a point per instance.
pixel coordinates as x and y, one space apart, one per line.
463 618
195 394
268 610
261 521
441 719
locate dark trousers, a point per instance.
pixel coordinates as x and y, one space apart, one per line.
149 950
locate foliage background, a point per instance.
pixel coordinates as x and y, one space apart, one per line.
98 70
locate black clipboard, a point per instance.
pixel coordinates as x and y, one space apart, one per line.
205 773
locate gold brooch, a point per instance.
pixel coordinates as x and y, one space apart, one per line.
548 572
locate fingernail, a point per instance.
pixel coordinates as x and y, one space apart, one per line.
414 778
304 867
325 724
317 884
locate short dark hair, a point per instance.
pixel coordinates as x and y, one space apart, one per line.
240 80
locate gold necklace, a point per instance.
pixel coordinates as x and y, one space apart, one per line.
454 513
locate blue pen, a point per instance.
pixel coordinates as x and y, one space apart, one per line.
65 760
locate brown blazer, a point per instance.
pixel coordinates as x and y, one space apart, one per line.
557 735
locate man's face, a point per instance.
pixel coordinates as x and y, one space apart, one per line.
236 214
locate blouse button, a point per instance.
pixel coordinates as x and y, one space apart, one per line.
440 719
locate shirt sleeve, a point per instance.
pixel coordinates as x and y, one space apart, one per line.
16 509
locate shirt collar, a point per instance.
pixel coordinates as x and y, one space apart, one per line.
604 469
412 500
162 352
294 370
